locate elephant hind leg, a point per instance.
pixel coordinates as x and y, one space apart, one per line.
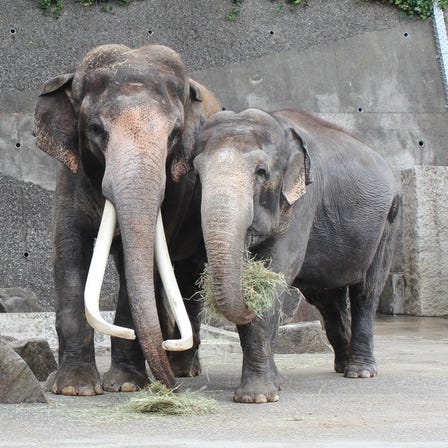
185 363
334 308
364 299
127 372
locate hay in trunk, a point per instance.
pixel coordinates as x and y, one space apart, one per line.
261 287
158 399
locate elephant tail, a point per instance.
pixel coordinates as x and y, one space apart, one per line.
395 206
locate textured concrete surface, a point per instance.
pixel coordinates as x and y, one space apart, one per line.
302 337
425 204
38 356
355 62
405 406
42 325
40 47
17 382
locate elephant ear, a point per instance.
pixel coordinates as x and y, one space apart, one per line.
200 104
55 124
297 172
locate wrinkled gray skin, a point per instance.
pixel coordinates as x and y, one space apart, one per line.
123 125
317 202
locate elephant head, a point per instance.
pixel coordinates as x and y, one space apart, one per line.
125 122
252 170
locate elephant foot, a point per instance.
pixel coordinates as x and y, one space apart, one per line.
82 380
259 390
256 392
185 364
360 370
124 379
340 364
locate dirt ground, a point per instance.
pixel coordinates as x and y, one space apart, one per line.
405 406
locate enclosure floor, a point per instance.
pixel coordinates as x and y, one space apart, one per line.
406 405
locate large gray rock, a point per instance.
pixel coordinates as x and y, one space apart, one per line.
38 355
392 300
18 300
305 312
425 233
302 337
17 383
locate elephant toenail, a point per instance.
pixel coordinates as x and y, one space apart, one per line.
260 398
86 391
128 387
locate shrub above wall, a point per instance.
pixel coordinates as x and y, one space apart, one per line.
415 8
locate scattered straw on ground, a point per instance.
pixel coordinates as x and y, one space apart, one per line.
261 287
158 399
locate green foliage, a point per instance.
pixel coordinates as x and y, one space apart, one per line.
234 11
52 6
55 6
417 8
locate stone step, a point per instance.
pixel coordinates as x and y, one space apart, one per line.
303 337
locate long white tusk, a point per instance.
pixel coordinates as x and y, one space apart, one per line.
172 291
96 275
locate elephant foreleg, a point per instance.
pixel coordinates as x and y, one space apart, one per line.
260 380
77 373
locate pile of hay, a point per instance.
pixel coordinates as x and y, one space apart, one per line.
261 287
158 399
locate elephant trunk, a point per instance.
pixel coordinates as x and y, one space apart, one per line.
134 182
226 215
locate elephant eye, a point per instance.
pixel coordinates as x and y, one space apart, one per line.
262 172
174 137
97 129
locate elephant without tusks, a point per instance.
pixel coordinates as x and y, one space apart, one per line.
123 125
318 203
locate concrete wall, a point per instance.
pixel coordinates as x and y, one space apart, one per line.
359 64
425 224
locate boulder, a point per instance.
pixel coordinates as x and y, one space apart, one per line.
17 382
38 355
305 312
302 337
18 300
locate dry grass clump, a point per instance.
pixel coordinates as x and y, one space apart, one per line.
261 287
158 399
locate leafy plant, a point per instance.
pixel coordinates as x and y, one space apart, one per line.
417 8
55 6
52 6
234 11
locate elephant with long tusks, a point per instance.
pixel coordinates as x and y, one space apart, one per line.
124 124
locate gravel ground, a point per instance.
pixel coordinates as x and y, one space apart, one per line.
406 405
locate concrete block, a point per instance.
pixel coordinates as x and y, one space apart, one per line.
42 325
392 300
18 300
219 340
17 382
425 233
302 337
305 312
38 356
